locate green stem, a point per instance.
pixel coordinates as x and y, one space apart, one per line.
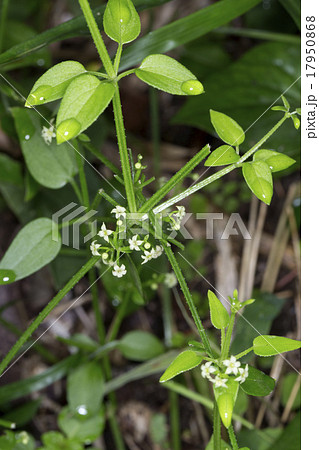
46 311
240 355
83 184
116 322
125 74
117 58
188 297
97 38
226 344
76 190
220 173
107 197
259 34
155 129
216 427
179 176
96 307
99 155
232 437
3 19
174 419
120 131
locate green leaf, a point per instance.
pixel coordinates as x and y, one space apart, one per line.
226 398
222 156
140 346
50 165
53 440
54 82
167 74
17 441
84 100
7 276
32 248
294 9
245 89
218 313
121 21
83 429
85 389
24 413
227 128
285 102
257 383
185 30
258 177
296 122
273 345
290 437
185 361
276 161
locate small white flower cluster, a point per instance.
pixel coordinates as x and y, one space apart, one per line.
170 280
176 218
48 133
232 368
134 243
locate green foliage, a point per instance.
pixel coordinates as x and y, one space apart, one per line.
287 386
276 161
218 313
17 441
50 165
82 428
53 440
257 383
222 156
54 82
166 74
31 249
84 100
258 177
140 346
227 128
273 345
185 361
226 398
121 21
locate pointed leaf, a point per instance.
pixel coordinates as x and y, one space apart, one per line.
32 248
84 100
222 156
218 313
85 389
227 128
7 276
226 398
54 82
258 177
257 383
267 345
50 165
140 346
166 74
121 21
185 361
276 161
285 102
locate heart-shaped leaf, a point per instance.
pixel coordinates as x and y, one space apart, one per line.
227 128
84 100
54 82
166 74
218 313
267 345
32 248
276 161
257 383
226 398
185 361
121 21
259 179
222 156
50 165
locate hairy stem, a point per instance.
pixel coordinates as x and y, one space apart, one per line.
46 311
232 437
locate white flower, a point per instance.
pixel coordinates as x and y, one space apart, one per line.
119 211
147 256
157 251
104 233
119 271
220 382
232 365
170 280
48 134
105 256
207 369
180 213
135 243
94 248
175 225
243 374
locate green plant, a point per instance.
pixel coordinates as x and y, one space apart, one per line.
85 95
